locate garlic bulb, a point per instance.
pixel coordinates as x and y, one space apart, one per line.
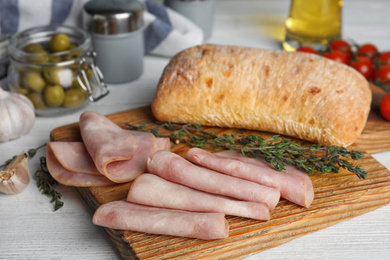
17 115
15 177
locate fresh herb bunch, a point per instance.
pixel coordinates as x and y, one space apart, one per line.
46 184
274 150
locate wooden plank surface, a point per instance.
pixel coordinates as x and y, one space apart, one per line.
338 196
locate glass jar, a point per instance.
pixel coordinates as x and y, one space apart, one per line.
58 75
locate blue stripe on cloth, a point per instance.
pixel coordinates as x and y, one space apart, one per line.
9 16
60 10
159 29
158 10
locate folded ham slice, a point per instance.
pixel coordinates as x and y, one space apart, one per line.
124 215
293 184
120 155
152 190
175 168
70 164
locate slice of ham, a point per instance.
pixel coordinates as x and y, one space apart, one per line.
293 184
124 215
152 190
175 168
163 143
70 164
119 154
73 156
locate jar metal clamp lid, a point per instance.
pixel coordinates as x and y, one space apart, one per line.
113 17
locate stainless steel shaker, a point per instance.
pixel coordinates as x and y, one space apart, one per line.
200 12
116 27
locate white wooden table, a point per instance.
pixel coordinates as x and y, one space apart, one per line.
29 229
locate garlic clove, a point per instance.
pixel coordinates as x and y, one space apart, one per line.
17 115
15 177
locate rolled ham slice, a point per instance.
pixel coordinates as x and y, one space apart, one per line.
70 164
124 215
175 168
293 184
119 154
152 190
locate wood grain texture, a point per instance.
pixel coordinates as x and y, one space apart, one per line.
338 196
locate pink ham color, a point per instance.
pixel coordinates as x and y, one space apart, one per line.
293 184
124 215
175 168
87 176
119 154
73 156
152 190
163 143
125 170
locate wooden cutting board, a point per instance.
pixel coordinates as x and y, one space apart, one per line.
338 196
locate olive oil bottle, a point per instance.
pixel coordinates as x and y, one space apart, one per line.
312 22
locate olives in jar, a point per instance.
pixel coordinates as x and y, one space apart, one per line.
74 97
48 64
54 95
33 81
59 42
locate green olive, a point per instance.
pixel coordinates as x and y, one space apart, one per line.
34 81
59 42
72 55
51 75
37 100
40 58
54 59
54 95
74 97
32 47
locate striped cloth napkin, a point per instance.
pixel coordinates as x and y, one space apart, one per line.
166 32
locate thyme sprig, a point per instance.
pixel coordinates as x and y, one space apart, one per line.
29 154
275 150
46 183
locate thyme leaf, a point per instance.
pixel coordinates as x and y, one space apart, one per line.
46 183
275 150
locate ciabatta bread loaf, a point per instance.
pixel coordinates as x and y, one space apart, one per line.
290 93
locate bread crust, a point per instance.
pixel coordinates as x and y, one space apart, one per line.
296 94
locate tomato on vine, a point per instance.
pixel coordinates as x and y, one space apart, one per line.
385 106
340 45
307 49
383 58
364 65
368 50
337 56
382 76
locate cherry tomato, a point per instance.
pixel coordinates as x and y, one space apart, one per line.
307 49
382 75
337 56
368 49
340 45
364 65
384 58
385 106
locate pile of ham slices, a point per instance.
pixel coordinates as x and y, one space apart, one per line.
171 195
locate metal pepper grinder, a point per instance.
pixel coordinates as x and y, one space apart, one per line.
116 28
200 12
